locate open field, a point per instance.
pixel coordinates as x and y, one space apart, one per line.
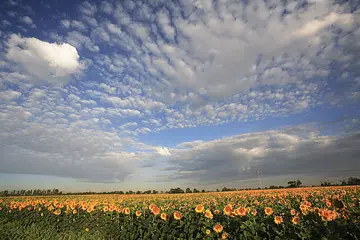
303 213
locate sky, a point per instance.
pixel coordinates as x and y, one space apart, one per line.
137 95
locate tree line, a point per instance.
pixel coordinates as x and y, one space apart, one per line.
55 191
350 181
32 192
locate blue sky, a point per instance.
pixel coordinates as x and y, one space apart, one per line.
105 95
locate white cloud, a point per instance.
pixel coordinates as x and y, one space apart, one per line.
314 26
65 23
88 8
129 125
50 62
135 102
114 29
107 7
79 40
27 20
78 25
129 112
302 105
163 19
9 95
5 23
107 88
73 24
163 151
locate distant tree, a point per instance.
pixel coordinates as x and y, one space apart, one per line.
294 184
217 190
325 183
188 190
291 184
154 192
138 192
225 189
55 191
298 183
176 190
353 181
195 190
203 190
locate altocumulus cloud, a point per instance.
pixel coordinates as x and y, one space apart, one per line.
93 93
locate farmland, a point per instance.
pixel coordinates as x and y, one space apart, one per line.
302 213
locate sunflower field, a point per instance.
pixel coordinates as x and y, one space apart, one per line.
302 213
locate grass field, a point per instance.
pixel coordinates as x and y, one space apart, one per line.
303 213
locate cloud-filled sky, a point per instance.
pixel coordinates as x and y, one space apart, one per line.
105 95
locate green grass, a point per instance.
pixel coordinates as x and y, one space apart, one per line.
16 230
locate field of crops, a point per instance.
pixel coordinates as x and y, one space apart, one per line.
306 213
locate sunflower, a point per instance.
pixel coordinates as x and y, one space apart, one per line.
254 212
208 214
138 213
164 217
242 211
127 211
268 211
224 235
295 220
278 219
155 210
177 215
151 206
57 212
303 208
227 210
199 208
218 228
292 212
90 209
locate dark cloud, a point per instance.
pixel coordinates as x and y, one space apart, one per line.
275 153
